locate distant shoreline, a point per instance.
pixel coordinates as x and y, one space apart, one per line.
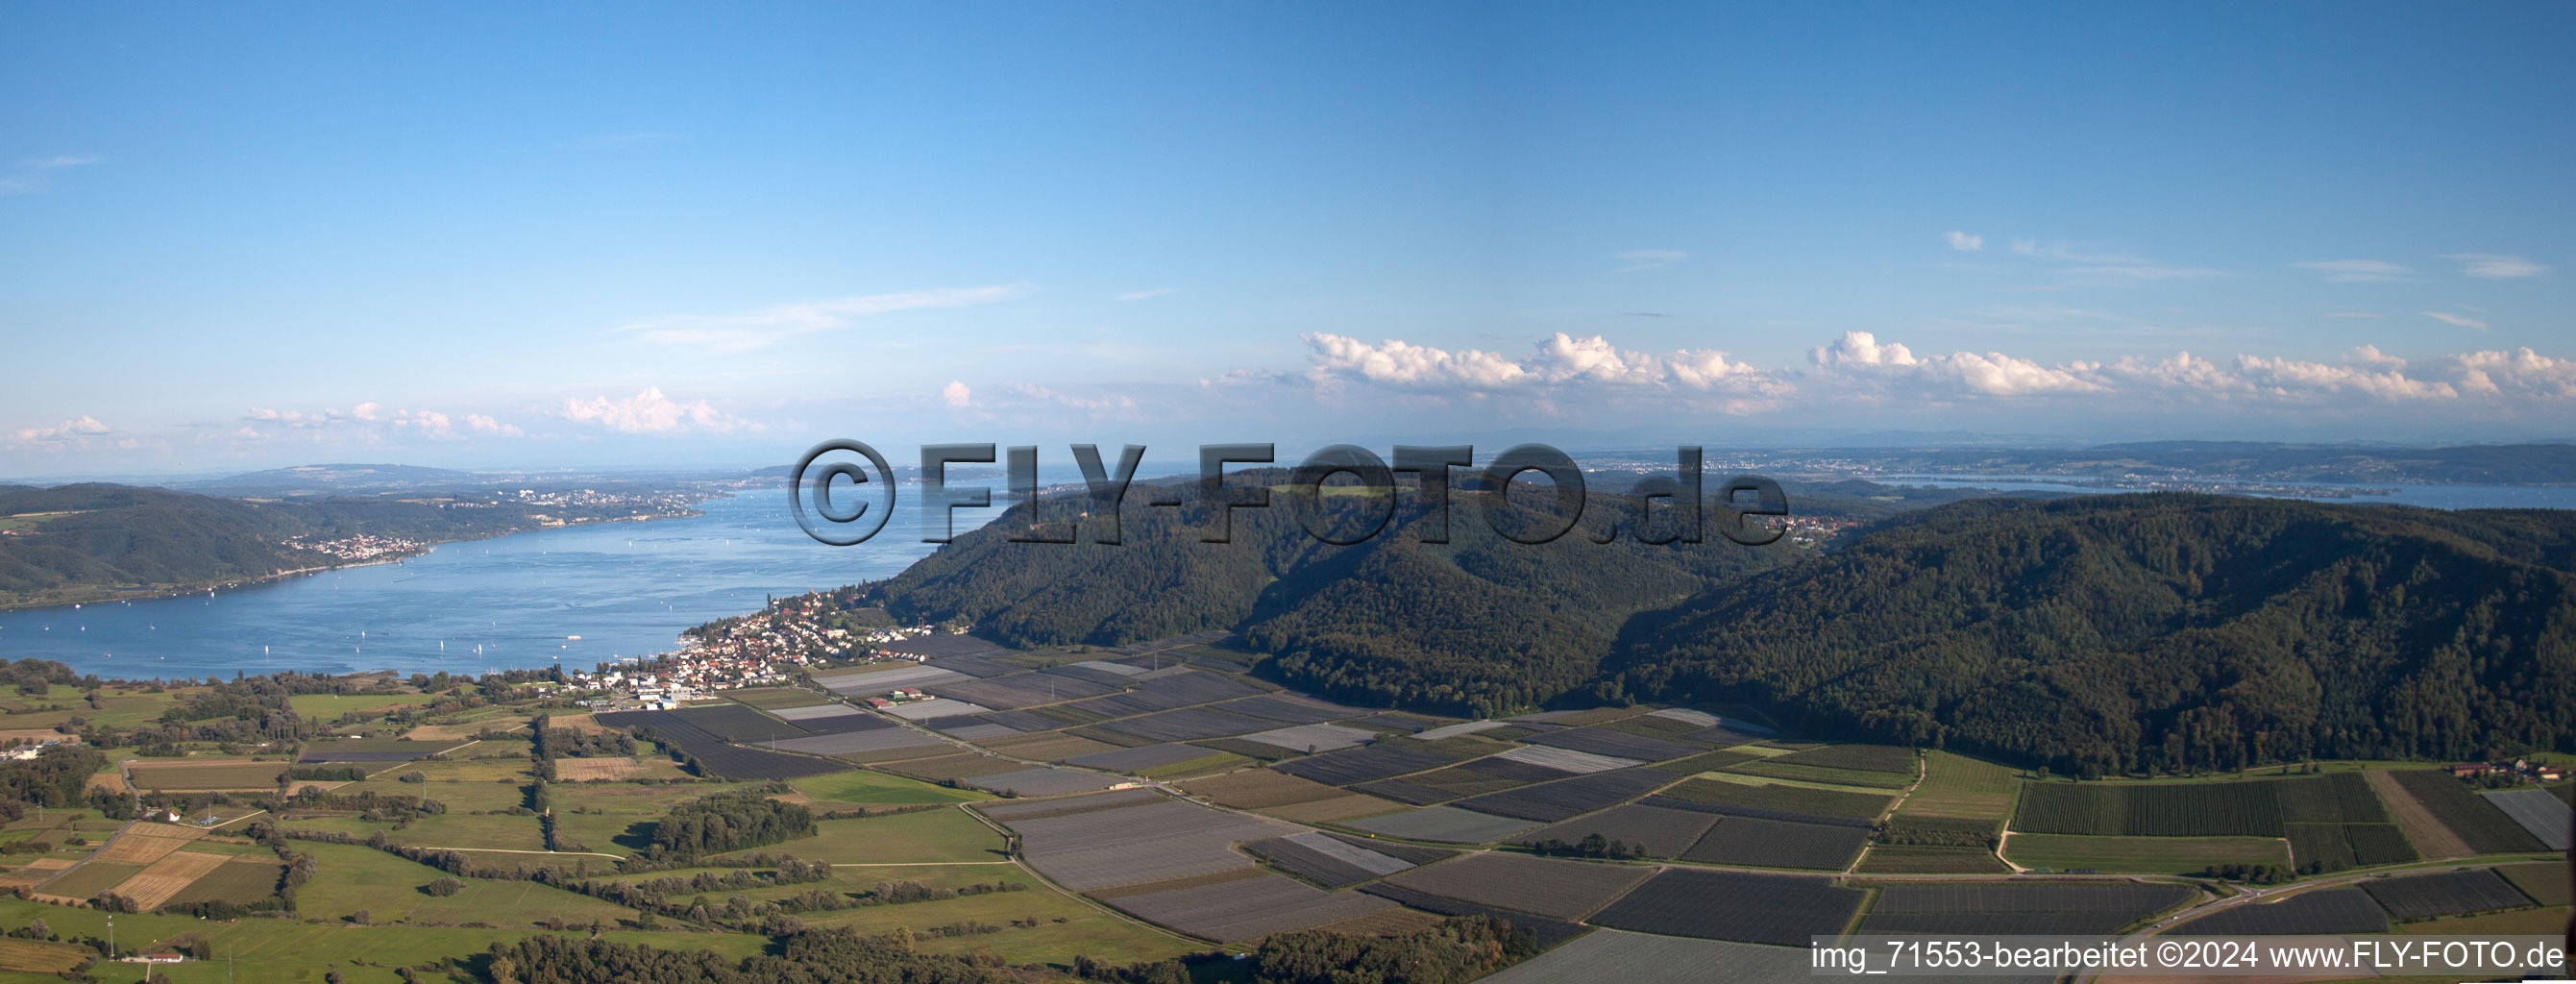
179 591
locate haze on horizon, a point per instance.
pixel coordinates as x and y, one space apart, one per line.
594 236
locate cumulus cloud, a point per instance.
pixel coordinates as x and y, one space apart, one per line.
481 424
1860 355
2356 271
2454 320
1558 360
1965 242
742 332
956 394
2495 266
1635 260
77 427
650 412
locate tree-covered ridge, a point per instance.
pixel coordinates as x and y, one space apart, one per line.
2170 632
1478 624
92 541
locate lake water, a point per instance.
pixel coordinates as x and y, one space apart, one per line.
627 589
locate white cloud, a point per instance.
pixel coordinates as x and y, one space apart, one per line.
1398 363
77 427
366 411
2454 320
956 394
2494 266
649 412
2356 271
1965 242
1139 295
759 329
1636 260
35 174
481 424
1859 355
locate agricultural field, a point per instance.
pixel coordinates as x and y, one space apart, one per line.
328 707
2412 898
2470 817
217 774
1774 801
1552 801
2544 816
1445 824
1657 831
2035 908
1039 924
2323 912
1861 758
1617 744
1128 841
1753 842
1255 789
41 957
1547 932
2143 855
1248 909
2210 809
1900 859
2546 882
1539 886
387 888
1782 910
867 786
1784 768
1324 860
944 834
1609 956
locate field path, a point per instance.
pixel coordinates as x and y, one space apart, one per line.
2427 831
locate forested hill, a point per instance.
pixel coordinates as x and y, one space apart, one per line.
1476 625
89 542
2112 633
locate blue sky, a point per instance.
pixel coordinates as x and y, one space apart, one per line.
475 235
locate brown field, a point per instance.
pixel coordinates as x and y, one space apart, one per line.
8 735
145 843
1254 789
34 872
467 730
1386 922
1046 746
108 781
41 957
246 879
215 776
2430 837
898 754
1350 807
954 767
166 877
587 769
1176 884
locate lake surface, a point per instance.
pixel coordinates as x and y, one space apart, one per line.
627 589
